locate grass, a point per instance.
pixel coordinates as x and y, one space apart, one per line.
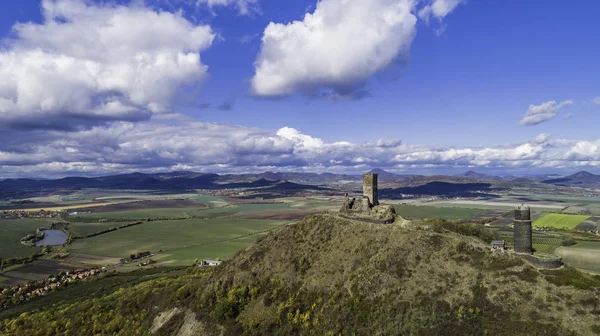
420 212
560 221
591 245
11 232
173 213
82 229
177 235
569 276
138 214
66 206
223 250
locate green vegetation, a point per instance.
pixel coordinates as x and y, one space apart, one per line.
11 232
327 276
173 235
569 276
83 229
135 214
421 212
560 221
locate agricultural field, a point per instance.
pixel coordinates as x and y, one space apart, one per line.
180 228
584 255
560 221
422 211
11 232
82 229
205 236
140 214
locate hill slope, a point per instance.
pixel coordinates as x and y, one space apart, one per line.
329 276
581 179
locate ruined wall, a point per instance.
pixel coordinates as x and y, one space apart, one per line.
370 188
522 230
548 263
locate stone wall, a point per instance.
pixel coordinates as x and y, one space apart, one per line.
541 262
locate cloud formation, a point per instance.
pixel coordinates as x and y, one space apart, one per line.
336 49
596 101
245 7
438 9
537 114
87 64
180 143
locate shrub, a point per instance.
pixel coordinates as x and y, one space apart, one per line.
568 242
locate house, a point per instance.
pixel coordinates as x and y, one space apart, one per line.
211 262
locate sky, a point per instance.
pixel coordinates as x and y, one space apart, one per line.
234 86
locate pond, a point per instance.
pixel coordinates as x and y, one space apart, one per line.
53 238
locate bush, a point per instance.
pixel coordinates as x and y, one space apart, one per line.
568 242
569 276
475 230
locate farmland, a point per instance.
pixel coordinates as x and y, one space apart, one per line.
180 228
177 229
584 255
169 235
560 221
11 232
421 211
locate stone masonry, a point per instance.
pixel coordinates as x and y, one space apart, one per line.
522 230
370 188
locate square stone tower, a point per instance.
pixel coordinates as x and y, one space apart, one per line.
370 188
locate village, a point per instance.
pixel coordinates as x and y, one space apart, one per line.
16 214
30 290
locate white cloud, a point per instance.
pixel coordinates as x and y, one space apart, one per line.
335 49
596 101
438 9
90 62
537 114
181 143
245 7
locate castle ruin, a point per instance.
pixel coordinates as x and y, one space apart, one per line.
370 188
522 230
367 208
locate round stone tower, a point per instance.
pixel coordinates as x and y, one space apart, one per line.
522 230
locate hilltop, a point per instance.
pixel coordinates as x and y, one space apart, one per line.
580 179
329 276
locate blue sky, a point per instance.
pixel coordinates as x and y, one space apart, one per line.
489 86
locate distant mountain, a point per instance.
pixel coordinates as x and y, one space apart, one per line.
163 181
442 189
302 178
581 179
482 176
384 176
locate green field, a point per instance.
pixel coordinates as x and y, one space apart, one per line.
560 221
206 238
137 214
11 232
82 229
223 250
584 255
421 211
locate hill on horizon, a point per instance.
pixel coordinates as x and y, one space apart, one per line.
580 179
